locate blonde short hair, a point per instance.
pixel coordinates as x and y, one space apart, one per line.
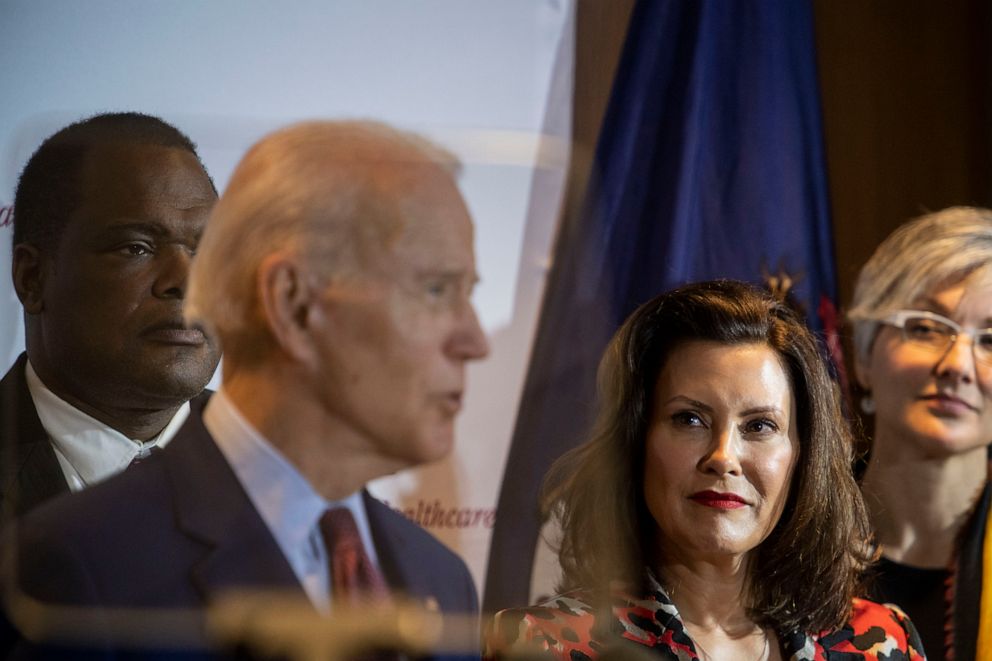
940 248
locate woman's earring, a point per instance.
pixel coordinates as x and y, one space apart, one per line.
867 404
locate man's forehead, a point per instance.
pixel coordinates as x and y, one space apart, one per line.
122 173
138 158
122 185
420 248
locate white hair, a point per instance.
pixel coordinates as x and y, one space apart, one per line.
938 249
322 190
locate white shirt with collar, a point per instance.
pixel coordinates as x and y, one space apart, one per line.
288 505
88 450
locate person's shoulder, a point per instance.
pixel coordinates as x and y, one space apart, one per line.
405 549
572 603
565 606
559 625
416 544
556 613
122 497
15 399
580 604
866 614
11 375
878 631
65 542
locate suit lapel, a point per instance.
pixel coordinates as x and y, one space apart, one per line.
29 470
212 508
402 568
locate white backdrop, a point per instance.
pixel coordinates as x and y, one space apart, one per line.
489 79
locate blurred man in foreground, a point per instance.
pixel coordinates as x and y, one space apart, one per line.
337 272
107 216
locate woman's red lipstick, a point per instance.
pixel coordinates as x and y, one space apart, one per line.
717 500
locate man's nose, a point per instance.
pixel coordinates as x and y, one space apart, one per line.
469 341
173 265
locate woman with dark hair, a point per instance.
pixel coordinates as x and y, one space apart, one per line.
713 513
922 320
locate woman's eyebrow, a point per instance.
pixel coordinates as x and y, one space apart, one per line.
762 409
690 401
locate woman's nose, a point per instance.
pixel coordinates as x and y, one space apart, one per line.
722 457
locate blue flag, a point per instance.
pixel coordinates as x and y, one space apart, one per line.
710 163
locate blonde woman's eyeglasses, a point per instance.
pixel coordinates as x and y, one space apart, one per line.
938 333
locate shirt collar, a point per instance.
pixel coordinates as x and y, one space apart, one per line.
93 450
285 500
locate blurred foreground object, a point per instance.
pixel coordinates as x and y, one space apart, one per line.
267 625
256 624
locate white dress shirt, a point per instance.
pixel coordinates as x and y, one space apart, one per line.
288 505
88 450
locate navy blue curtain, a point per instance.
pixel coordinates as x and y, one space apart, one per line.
710 163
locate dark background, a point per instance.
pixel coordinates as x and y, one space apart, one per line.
906 92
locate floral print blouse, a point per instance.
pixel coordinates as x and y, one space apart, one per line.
563 627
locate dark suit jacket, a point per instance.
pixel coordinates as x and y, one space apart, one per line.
29 471
178 530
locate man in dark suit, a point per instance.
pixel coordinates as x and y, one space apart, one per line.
337 271
108 213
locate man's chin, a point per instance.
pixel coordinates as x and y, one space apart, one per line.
172 384
435 448
414 451
193 366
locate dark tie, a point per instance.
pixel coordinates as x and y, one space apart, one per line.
143 455
355 580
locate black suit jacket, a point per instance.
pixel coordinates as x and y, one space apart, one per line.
29 471
178 530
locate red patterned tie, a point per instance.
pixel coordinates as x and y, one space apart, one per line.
355 580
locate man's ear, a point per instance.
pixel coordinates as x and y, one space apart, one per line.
286 296
28 273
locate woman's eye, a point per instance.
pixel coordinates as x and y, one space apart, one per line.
687 419
760 426
924 329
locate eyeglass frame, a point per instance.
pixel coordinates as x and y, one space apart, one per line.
898 320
